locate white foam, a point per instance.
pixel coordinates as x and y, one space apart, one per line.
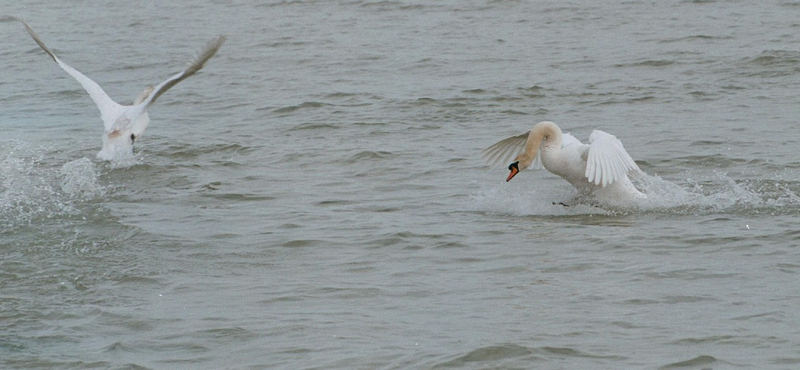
80 179
527 200
31 189
127 161
715 192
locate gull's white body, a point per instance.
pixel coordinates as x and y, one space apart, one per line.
125 123
600 167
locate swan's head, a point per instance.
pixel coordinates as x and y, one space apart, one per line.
544 135
522 162
514 168
117 145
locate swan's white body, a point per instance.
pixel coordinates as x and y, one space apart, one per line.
126 123
600 167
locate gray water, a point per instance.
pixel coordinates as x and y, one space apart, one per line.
315 199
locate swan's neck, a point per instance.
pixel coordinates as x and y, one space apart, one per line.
545 137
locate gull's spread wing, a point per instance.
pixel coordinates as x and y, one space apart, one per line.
197 64
108 107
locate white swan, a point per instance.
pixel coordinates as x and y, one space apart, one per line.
600 168
126 123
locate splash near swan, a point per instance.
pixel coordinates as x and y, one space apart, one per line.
600 168
124 124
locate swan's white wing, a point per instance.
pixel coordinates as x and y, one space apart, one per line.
197 64
109 109
504 151
567 139
607 161
537 162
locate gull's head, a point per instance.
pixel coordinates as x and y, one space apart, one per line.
117 145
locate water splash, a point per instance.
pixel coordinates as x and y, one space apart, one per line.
80 179
127 161
531 200
33 190
717 192
712 193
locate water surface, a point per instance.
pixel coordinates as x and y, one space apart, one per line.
315 199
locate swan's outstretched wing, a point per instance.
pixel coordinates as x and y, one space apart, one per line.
504 151
196 65
607 161
108 107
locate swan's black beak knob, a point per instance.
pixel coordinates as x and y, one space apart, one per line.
514 168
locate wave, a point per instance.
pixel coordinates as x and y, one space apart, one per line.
508 354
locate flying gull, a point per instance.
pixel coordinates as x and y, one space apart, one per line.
126 123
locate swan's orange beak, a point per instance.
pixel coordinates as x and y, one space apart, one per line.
514 168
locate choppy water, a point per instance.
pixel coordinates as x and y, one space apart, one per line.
315 199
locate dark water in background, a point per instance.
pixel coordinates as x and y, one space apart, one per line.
314 198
